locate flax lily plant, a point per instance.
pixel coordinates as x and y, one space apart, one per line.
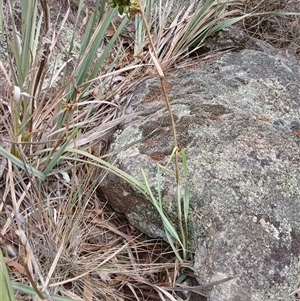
52 117
46 108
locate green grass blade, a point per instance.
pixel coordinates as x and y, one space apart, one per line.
21 164
158 181
87 35
30 291
110 69
186 198
108 48
95 161
167 224
6 289
226 23
93 47
30 35
170 241
79 10
54 159
276 13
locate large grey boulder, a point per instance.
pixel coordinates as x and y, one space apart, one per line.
238 119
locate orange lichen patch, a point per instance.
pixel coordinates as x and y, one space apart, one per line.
157 158
297 133
151 97
214 118
168 86
156 93
262 118
150 142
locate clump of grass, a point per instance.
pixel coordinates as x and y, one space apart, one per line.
79 248
45 111
50 218
181 29
280 30
56 118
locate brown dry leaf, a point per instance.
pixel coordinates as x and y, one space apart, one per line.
87 291
12 263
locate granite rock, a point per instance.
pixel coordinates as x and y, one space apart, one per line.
238 119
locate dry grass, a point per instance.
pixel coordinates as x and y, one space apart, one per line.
80 248
281 32
60 232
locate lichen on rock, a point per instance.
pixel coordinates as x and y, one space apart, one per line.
238 120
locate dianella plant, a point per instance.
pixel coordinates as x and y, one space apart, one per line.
58 105
54 90
43 97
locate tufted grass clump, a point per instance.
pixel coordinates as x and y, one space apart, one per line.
280 28
66 77
54 99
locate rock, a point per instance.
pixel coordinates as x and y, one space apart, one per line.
238 119
235 38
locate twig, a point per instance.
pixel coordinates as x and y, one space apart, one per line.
199 288
163 85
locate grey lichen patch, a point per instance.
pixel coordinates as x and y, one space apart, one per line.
158 137
213 109
125 138
61 53
250 265
147 221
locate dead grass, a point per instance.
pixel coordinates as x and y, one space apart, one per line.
281 32
79 246
59 234
73 243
